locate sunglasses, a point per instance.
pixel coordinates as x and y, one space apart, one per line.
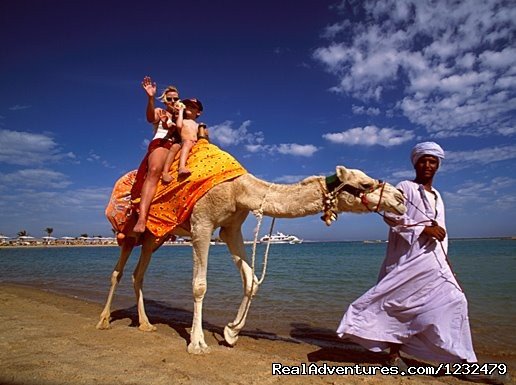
169 99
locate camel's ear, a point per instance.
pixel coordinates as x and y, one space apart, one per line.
342 173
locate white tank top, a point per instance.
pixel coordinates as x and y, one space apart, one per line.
161 132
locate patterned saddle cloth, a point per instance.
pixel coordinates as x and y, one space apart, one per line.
173 202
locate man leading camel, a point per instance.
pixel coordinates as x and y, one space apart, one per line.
417 306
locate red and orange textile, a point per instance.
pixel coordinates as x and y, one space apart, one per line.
173 202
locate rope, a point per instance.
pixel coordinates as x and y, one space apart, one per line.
259 217
433 223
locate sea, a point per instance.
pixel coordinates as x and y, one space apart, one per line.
305 292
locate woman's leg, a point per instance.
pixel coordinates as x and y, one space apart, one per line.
156 161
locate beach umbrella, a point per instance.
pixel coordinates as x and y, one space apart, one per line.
48 238
67 238
25 237
4 237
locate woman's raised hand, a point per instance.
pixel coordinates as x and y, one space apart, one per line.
149 86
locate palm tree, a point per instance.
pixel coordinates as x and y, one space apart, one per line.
49 231
22 233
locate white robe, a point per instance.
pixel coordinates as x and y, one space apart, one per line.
417 301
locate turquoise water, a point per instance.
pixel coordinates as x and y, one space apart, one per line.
307 288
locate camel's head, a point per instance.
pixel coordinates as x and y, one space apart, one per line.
358 192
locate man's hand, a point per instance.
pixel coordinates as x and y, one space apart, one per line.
436 232
149 86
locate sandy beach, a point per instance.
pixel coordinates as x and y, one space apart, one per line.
47 338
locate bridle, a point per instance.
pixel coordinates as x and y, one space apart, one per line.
333 186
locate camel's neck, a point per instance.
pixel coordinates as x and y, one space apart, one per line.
282 200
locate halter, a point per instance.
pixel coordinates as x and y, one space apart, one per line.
333 186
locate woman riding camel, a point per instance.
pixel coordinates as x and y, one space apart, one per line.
165 137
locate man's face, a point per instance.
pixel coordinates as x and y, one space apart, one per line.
426 166
191 111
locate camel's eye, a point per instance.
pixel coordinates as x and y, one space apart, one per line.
366 186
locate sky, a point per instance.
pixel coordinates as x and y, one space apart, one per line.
290 88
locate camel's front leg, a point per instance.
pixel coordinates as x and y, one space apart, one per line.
139 272
201 244
235 243
116 276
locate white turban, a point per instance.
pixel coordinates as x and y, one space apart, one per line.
426 148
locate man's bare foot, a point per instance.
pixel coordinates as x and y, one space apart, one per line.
166 177
139 227
184 171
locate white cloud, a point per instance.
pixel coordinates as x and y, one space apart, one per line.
297 149
362 110
481 156
450 62
19 107
333 30
34 178
370 136
226 135
95 158
404 174
26 148
69 212
294 149
289 178
494 194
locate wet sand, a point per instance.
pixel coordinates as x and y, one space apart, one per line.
47 338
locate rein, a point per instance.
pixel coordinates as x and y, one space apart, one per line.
333 186
432 222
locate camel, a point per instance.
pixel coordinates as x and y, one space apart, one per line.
226 206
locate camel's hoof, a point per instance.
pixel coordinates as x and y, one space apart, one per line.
198 348
103 324
230 336
147 327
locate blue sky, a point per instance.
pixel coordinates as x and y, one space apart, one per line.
290 88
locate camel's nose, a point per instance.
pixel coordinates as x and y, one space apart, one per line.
401 196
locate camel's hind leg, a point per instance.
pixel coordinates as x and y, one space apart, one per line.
148 246
116 276
234 240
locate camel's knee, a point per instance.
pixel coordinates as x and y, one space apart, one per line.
223 234
199 290
137 280
116 277
251 290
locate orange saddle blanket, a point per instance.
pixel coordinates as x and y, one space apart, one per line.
173 202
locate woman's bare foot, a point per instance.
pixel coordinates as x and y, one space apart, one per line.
184 171
166 177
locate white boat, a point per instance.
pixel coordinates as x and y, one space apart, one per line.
279 237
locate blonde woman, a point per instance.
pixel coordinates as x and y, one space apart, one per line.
165 137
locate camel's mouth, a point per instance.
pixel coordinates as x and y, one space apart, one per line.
400 209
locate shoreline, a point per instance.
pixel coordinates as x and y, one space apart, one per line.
247 242
48 338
